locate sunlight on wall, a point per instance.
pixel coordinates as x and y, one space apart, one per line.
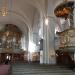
32 47
46 21
62 20
23 44
57 29
41 33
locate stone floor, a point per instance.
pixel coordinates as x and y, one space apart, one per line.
37 69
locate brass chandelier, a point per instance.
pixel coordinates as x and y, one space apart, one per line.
4 8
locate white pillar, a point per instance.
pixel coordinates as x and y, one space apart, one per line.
41 57
30 40
48 47
49 33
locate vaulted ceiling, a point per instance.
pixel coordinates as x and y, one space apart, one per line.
21 12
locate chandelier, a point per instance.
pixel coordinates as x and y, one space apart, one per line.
4 8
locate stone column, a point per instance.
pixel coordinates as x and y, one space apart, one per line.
48 45
49 34
29 47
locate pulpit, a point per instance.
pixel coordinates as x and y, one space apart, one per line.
65 53
67 40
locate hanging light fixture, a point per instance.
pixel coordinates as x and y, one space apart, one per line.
4 11
4 8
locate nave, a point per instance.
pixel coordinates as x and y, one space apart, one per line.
37 31
37 69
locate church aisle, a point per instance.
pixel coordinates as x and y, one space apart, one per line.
36 69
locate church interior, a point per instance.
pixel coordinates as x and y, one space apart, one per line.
37 37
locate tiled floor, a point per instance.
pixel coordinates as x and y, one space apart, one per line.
36 69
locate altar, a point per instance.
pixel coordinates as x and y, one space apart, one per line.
10 44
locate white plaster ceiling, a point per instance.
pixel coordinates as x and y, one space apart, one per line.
21 12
